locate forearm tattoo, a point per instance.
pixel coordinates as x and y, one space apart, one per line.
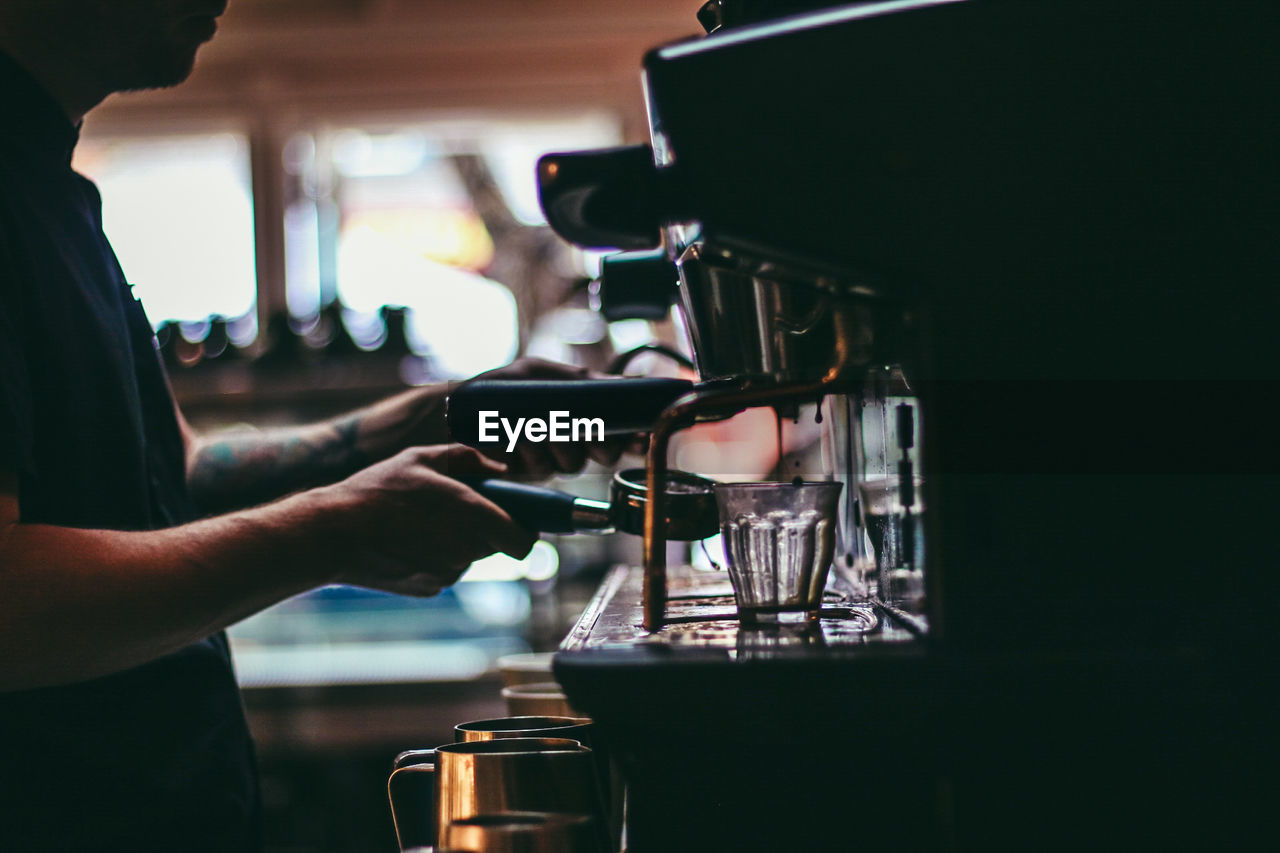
246 469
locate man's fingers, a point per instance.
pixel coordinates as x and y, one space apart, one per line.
458 460
534 464
607 453
470 461
520 543
569 458
499 531
510 538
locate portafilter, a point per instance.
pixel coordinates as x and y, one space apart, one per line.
689 506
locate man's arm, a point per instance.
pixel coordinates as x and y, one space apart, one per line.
76 604
249 467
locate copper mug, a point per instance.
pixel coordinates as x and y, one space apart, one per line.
541 774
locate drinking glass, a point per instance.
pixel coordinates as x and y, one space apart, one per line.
778 542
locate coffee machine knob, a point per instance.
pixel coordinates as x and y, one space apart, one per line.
608 198
635 286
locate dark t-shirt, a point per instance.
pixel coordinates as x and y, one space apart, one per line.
158 755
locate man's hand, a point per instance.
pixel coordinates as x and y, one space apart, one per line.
411 528
538 461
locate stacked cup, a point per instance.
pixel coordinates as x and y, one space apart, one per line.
537 780
529 688
508 785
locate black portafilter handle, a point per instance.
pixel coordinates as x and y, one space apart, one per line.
545 510
624 405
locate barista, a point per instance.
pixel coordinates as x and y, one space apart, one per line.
120 722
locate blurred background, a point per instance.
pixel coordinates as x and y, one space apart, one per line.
340 203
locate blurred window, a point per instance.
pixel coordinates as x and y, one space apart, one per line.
179 212
379 215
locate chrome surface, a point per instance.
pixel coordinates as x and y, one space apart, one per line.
687 500
762 319
771 333
575 728
591 516
702 616
515 774
522 832
556 726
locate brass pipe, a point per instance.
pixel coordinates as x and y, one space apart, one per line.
680 414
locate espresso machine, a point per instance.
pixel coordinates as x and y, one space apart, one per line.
1023 258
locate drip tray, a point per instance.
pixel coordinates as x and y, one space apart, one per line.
851 625
701 614
712 608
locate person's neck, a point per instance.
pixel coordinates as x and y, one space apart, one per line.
62 78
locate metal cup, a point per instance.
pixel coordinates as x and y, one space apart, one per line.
526 668
608 776
409 790
514 774
491 776
539 699
523 832
578 728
